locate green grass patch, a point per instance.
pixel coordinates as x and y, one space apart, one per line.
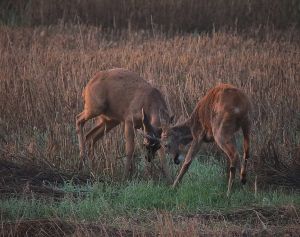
203 189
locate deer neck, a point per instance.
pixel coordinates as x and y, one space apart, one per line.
157 108
158 116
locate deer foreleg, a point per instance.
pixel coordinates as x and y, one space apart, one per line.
246 146
164 166
80 120
129 146
194 148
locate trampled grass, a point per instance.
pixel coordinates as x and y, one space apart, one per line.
202 190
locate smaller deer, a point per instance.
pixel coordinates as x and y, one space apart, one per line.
217 117
120 96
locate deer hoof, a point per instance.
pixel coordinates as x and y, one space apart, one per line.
174 186
243 179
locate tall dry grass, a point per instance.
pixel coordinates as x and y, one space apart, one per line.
43 71
179 15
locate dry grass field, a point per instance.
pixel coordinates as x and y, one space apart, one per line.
45 62
43 72
44 69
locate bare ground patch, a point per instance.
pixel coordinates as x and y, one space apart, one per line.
247 222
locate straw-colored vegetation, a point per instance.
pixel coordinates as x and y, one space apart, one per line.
44 70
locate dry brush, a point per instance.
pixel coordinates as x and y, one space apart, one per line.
43 71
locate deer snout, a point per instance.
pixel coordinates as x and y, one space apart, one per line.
178 158
149 157
151 149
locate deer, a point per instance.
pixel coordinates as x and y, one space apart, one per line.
216 118
119 96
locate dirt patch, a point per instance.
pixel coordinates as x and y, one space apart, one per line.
256 215
245 222
164 224
20 175
46 227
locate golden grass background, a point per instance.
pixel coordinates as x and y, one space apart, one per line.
44 69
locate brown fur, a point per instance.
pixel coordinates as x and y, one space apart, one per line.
217 117
116 96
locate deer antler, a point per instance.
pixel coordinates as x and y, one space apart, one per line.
149 136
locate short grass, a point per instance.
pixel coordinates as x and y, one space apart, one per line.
203 190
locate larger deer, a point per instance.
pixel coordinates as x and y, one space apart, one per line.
217 117
120 96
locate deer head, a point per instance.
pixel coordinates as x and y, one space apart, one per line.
173 140
151 137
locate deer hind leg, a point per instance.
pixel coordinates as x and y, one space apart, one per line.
225 139
246 147
89 137
230 149
97 132
80 121
81 118
129 147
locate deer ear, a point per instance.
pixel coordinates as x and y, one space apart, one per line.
146 122
186 139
